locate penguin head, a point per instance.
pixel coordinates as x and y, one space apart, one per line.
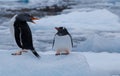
25 17
61 31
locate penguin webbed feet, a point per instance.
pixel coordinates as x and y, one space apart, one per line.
19 52
57 54
63 53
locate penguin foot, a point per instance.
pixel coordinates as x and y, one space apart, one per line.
61 54
65 53
17 53
57 54
24 51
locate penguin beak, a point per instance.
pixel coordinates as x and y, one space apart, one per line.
34 18
56 28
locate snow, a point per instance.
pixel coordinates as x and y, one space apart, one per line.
48 65
102 20
103 64
77 63
101 42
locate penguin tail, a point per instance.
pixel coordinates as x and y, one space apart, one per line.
35 53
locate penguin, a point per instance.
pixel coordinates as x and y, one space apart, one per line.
62 42
22 33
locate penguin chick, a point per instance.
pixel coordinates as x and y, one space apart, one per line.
62 42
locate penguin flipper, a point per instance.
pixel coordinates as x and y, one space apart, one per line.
71 39
17 36
53 41
35 53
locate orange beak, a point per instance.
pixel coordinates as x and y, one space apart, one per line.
34 18
56 28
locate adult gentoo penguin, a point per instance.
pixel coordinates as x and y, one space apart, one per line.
62 42
22 33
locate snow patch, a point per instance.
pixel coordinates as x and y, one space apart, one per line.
49 65
103 64
102 20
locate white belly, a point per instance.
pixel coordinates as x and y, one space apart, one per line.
62 42
11 23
